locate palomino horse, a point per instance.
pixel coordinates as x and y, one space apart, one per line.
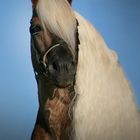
105 108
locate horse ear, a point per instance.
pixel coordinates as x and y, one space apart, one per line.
70 1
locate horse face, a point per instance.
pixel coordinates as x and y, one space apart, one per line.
61 66
60 62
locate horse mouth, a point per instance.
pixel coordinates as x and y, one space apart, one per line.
63 85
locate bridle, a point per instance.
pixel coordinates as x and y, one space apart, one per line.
36 29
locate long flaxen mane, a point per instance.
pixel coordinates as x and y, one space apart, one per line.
105 108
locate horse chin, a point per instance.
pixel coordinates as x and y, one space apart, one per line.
63 85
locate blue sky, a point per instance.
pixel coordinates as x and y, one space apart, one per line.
117 20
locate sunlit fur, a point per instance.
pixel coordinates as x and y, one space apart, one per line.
58 17
105 108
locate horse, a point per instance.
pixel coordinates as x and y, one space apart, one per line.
102 106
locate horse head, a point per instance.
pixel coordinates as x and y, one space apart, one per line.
54 54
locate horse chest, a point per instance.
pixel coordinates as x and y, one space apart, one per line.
57 117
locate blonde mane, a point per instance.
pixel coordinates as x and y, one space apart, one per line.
105 109
59 18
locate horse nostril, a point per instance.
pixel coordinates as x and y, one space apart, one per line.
55 66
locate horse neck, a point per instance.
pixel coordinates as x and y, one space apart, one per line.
51 121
